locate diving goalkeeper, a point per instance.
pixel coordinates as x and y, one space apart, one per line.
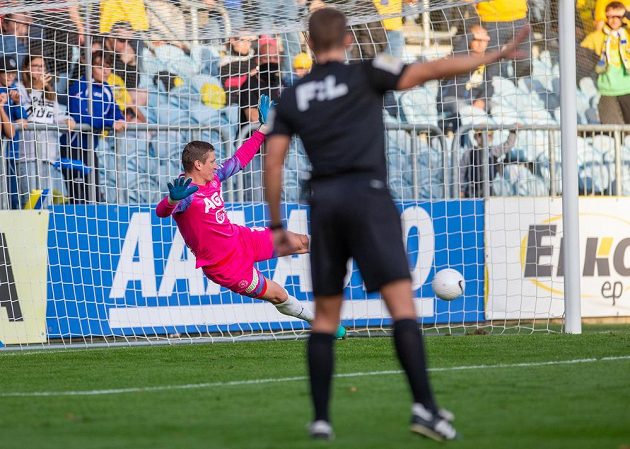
225 251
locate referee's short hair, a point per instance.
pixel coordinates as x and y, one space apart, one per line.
327 29
196 150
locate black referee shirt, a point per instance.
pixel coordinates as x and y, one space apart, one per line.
337 110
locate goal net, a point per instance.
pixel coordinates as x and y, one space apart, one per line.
105 94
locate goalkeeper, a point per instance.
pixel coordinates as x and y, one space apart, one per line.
225 251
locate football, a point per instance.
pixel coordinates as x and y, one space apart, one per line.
448 284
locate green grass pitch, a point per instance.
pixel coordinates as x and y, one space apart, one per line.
507 392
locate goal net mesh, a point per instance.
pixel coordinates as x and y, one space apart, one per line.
108 92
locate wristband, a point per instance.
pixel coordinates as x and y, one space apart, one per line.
276 226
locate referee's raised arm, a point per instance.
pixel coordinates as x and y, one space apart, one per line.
421 72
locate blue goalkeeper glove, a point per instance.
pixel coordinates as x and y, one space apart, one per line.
179 189
264 106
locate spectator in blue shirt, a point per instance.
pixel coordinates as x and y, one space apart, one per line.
98 110
12 117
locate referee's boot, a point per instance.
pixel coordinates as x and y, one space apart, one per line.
436 426
321 430
341 333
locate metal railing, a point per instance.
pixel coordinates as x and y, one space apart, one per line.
432 132
450 167
614 132
194 133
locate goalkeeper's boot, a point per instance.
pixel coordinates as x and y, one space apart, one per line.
341 333
321 430
432 425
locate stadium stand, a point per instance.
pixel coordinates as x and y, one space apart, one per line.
171 90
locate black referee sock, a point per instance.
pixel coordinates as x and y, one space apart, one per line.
410 350
320 366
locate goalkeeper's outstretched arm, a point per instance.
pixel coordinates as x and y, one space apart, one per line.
421 72
242 157
250 148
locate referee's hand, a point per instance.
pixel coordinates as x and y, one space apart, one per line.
283 244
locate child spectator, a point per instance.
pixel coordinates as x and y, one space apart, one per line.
100 112
40 148
599 12
613 67
12 117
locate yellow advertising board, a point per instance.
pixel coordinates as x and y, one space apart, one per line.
23 263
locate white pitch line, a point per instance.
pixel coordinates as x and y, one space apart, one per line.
293 379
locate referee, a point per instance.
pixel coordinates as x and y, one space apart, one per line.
337 110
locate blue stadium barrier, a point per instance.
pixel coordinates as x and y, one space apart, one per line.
90 245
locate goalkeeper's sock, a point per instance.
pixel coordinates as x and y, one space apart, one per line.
293 307
410 350
320 366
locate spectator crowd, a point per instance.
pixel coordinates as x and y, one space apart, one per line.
108 112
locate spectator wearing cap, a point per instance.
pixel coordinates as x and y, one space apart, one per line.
470 90
103 114
14 36
302 64
12 118
264 80
613 68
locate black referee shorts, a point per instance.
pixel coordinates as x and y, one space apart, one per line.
355 218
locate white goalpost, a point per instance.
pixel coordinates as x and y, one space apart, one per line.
570 204
485 169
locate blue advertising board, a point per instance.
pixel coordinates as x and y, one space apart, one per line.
121 270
